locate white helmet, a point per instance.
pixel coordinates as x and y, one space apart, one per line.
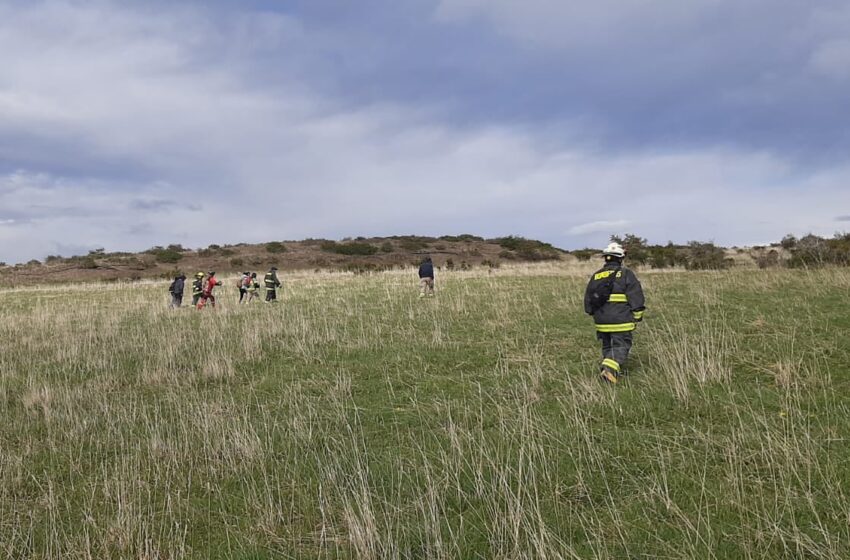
614 250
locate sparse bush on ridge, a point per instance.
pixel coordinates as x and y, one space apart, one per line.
162 255
276 247
461 237
706 256
350 248
527 249
812 251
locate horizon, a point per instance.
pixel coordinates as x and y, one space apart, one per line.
482 239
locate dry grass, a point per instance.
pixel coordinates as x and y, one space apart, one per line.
353 420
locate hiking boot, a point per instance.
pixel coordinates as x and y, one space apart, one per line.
608 377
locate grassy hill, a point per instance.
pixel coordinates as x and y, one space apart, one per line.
358 255
353 420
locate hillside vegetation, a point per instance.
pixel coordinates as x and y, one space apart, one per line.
353 420
355 255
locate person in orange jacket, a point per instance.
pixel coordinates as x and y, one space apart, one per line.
212 282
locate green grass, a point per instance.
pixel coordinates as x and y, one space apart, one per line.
354 420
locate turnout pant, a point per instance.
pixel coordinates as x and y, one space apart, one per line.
615 350
195 299
271 294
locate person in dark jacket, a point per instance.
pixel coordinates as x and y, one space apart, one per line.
197 288
176 291
615 299
272 284
426 278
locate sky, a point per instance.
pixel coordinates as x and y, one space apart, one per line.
125 125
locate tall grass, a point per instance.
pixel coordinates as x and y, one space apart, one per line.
353 420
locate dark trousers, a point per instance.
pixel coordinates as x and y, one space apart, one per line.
195 299
271 294
176 301
615 350
242 293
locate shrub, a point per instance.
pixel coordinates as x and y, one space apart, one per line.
53 258
527 249
387 247
706 256
814 251
276 247
461 237
788 242
667 256
353 248
165 255
450 264
768 260
584 254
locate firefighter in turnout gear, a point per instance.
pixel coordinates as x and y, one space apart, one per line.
272 284
197 288
615 300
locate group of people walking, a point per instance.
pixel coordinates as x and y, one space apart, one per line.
613 297
204 285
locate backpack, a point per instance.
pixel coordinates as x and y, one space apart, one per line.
602 288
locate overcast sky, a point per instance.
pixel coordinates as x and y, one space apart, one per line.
125 125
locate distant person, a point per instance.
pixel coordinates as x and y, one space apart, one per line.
615 300
253 288
426 278
176 291
207 295
272 284
197 288
243 283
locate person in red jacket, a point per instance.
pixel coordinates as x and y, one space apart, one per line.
212 282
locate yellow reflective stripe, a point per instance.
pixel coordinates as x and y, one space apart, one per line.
602 275
620 327
618 298
638 314
608 362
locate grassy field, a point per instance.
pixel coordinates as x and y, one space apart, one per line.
354 420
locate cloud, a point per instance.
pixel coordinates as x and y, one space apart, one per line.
845 218
832 59
127 127
602 226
